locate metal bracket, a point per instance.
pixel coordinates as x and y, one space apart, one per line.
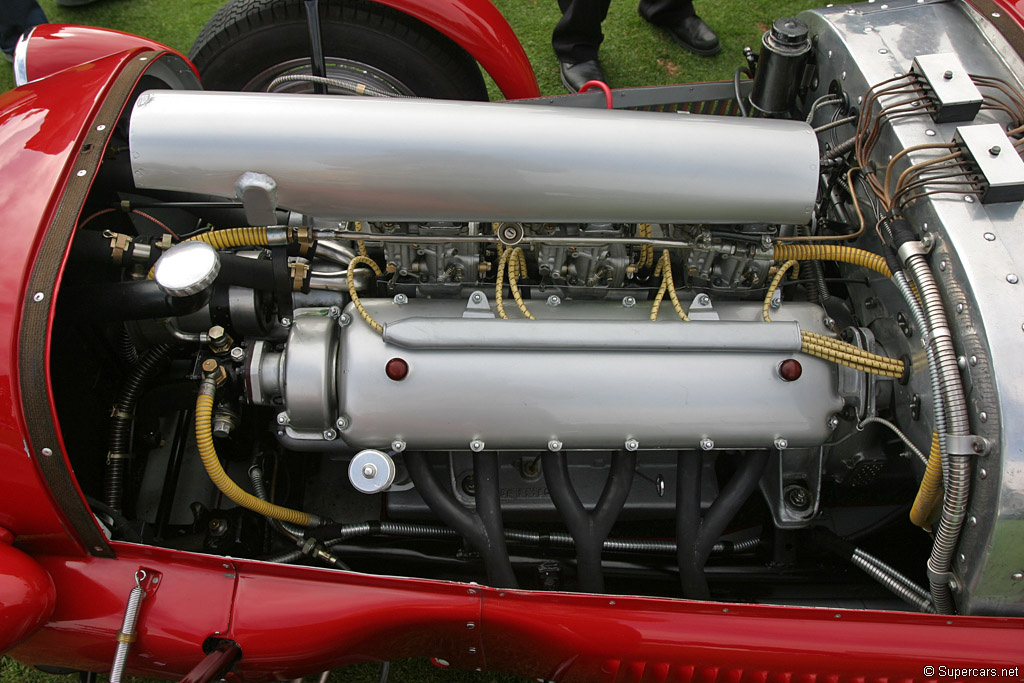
967 445
477 306
908 249
702 308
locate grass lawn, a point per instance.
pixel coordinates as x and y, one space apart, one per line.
634 53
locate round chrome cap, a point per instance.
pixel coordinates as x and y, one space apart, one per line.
187 268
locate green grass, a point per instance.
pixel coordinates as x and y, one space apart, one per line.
634 53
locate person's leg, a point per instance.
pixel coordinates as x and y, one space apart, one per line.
577 35
681 22
16 17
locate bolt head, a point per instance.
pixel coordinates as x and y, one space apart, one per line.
781 444
833 422
398 445
286 322
554 445
341 423
632 444
1012 278
554 300
330 434
238 353
704 300
476 445
706 444
629 301
282 418
334 312
948 75
1018 576
994 150
345 320
401 299
369 470
478 297
983 473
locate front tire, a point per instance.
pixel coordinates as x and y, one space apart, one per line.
247 44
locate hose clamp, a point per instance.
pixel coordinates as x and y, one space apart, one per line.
945 578
967 444
277 236
908 249
938 333
119 456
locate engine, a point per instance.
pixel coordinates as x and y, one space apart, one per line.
766 356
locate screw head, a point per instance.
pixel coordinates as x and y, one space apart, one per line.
341 423
833 422
286 322
401 299
994 150
282 418
973 521
632 444
476 445
330 434
38 296
1018 576
629 301
47 452
334 312
554 300
1012 278
983 473
554 445
706 444
470 625
781 444
948 75
398 445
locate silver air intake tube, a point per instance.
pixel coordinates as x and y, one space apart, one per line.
401 159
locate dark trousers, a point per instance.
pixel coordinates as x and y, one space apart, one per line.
16 17
578 34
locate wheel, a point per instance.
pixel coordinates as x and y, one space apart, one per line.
248 44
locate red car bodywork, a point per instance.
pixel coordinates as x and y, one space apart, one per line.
61 604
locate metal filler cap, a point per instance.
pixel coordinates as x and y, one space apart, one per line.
371 471
187 268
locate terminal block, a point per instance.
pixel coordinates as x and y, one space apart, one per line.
948 86
997 169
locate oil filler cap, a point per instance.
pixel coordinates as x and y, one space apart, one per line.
187 268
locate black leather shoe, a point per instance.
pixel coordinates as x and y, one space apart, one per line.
575 75
696 36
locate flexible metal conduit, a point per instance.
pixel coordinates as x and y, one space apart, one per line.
958 480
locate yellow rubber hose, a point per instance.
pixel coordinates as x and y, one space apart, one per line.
208 454
351 281
233 237
832 252
928 493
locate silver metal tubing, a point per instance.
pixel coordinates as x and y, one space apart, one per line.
400 159
896 587
493 239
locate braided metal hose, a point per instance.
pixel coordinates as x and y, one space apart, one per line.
958 474
902 590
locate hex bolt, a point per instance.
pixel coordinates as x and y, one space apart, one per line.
948 75
554 300
706 444
345 320
477 297
554 445
704 300
282 418
632 444
341 423
833 422
238 354
781 444
629 301
476 445
286 322
798 498
330 434
401 299
369 470
398 445
334 312
994 150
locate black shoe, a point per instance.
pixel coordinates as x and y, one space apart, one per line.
696 36
575 75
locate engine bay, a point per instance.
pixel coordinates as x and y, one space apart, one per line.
768 354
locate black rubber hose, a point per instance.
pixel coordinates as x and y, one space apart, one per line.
133 300
688 498
488 510
246 272
470 525
119 434
589 530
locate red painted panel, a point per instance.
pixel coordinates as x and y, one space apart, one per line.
55 47
479 29
27 595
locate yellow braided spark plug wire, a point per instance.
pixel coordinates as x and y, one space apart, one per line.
350 279
516 269
360 243
668 284
832 252
646 250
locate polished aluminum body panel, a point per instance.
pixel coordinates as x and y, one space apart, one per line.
978 259
364 158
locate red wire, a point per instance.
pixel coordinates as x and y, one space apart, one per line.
146 215
603 87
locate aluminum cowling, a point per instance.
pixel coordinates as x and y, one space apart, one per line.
399 159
